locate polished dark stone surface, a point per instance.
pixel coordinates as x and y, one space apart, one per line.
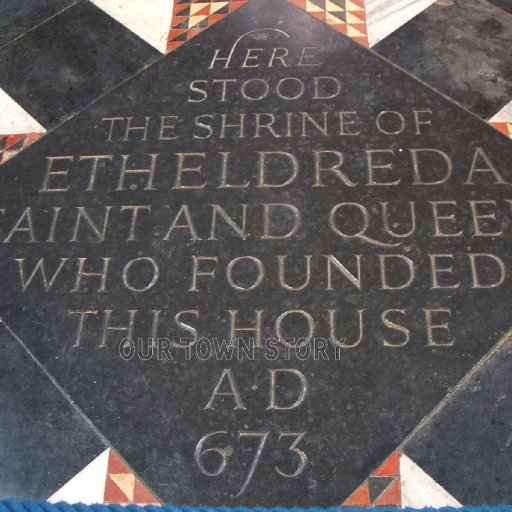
503 4
18 16
62 65
461 51
466 447
357 409
44 441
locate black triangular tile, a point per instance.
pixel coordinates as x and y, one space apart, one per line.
377 485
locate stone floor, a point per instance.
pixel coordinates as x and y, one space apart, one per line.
443 436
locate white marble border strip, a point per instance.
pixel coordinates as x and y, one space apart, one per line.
14 119
420 490
504 115
149 19
384 16
87 486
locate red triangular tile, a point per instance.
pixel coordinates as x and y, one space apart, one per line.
318 14
172 45
362 40
359 26
340 27
175 32
113 494
116 465
176 20
193 32
204 11
389 467
142 494
179 8
32 137
360 15
359 498
13 139
214 18
502 127
391 496
233 6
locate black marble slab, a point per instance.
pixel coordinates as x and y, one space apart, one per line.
503 4
44 440
62 65
18 16
467 445
412 313
461 51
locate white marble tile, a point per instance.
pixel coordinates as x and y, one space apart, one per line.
504 115
87 486
419 490
385 16
149 19
14 119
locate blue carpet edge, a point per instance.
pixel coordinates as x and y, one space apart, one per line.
11 505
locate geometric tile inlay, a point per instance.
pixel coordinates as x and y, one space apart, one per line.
400 482
381 488
345 16
11 145
191 17
123 487
505 128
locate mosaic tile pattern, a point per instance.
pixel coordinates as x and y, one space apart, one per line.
123 487
400 482
381 488
345 16
192 17
505 128
11 145
502 120
354 18
107 479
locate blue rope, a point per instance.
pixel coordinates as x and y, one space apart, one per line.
43 506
